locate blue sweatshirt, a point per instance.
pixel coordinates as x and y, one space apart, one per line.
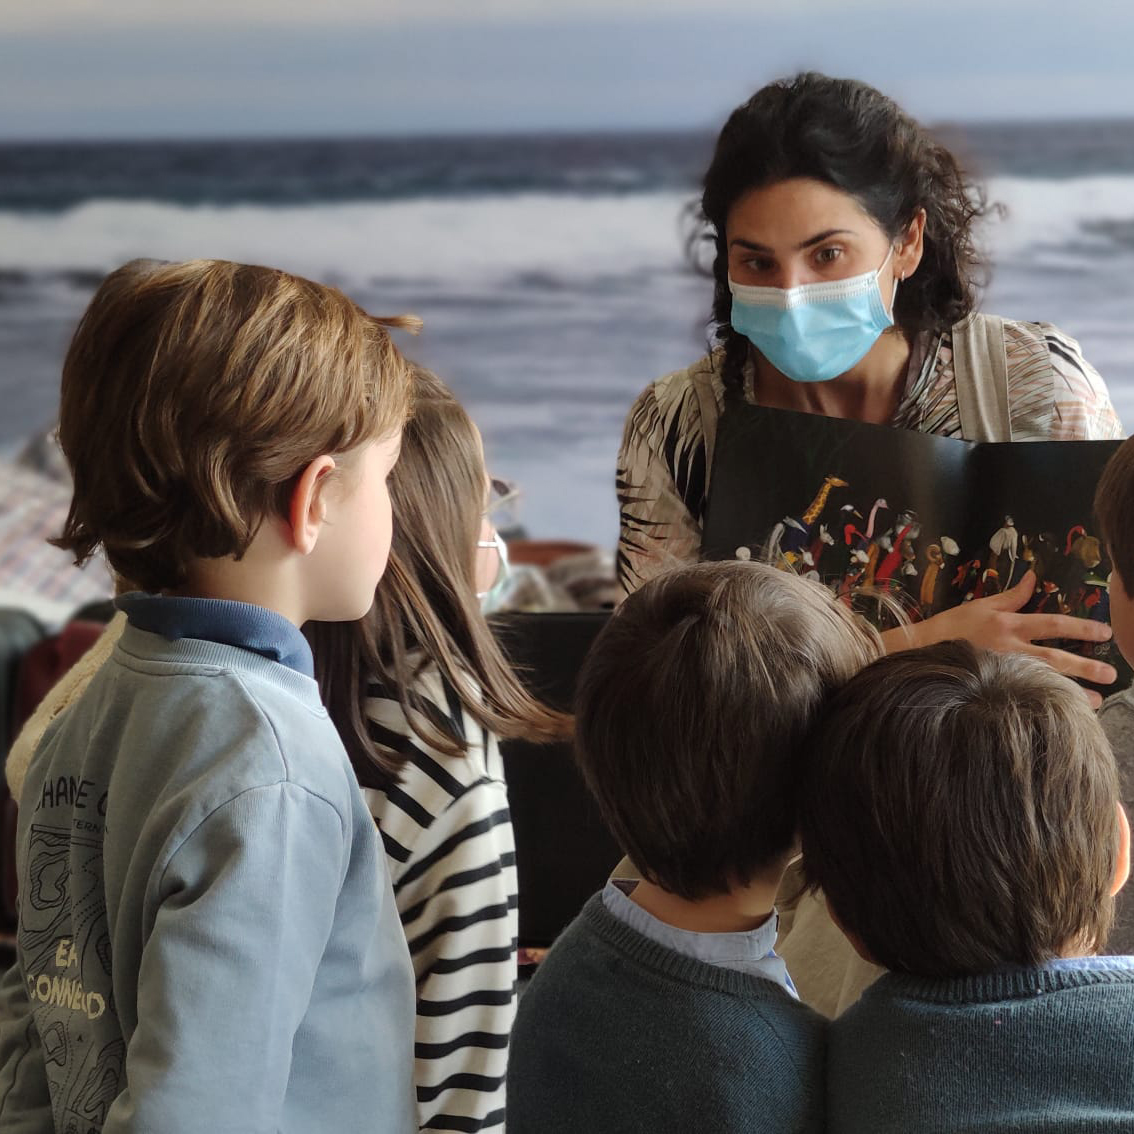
208 939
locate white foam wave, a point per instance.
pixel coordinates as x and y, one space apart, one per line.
1053 213
451 240
465 243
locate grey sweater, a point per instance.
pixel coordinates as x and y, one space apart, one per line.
1048 1050
208 939
617 1033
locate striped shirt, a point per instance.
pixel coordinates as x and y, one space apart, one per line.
665 460
448 837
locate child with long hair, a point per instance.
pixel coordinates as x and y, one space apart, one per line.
420 693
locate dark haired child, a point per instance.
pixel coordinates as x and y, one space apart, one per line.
960 812
665 1007
208 938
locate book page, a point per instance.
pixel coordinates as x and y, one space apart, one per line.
866 509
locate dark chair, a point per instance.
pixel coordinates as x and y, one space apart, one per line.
564 851
33 663
19 632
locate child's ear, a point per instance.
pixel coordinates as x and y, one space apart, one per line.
308 510
1122 864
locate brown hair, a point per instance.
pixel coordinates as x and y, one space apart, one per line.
959 812
1114 507
426 609
690 711
194 393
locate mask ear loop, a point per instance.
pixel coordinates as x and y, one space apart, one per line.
898 278
502 567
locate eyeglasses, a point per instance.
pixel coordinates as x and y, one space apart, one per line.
502 494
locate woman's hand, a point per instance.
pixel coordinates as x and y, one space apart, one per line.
996 624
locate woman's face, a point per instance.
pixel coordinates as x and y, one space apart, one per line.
801 231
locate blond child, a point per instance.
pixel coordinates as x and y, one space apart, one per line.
208 938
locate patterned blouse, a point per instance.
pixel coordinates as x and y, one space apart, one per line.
666 456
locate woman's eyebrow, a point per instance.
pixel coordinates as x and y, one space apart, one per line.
818 238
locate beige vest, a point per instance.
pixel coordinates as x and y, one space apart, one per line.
980 370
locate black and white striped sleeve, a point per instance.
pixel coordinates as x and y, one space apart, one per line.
448 837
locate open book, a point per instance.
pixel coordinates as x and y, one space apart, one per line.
925 521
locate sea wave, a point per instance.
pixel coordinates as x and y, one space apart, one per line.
1087 214
531 240
524 237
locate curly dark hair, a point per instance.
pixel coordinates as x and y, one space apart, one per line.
853 137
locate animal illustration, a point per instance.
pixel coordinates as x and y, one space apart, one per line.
788 531
909 530
879 504
936 559
845 536
1069 570
819 544
1005 541
787 545
988 584
967 576
820 502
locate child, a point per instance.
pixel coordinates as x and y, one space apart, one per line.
961 816
208 939
420 693
665 1008
1114 507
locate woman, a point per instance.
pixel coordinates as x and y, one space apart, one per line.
844 286
420 693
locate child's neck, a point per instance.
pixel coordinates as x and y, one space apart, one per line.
266 575
738 911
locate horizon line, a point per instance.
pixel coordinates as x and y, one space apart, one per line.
449 134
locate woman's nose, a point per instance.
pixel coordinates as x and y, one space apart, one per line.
789 276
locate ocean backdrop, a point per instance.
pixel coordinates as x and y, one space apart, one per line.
550 271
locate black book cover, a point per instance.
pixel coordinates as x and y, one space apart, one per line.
926 522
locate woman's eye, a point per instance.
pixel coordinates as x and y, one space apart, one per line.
759 265
828 255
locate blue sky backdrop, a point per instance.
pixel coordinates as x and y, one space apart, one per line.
209 68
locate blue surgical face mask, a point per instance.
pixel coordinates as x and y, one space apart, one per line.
814 332
490 599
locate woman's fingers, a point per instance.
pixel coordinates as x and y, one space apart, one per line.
1041 627
994 623
1014 597
1073 665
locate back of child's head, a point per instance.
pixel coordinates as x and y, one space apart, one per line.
426 608
690 711
195 393
959 812
1114 507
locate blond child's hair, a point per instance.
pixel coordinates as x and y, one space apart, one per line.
426 610
195 393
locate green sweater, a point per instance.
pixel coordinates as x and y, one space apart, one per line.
617 1033
1048 1049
